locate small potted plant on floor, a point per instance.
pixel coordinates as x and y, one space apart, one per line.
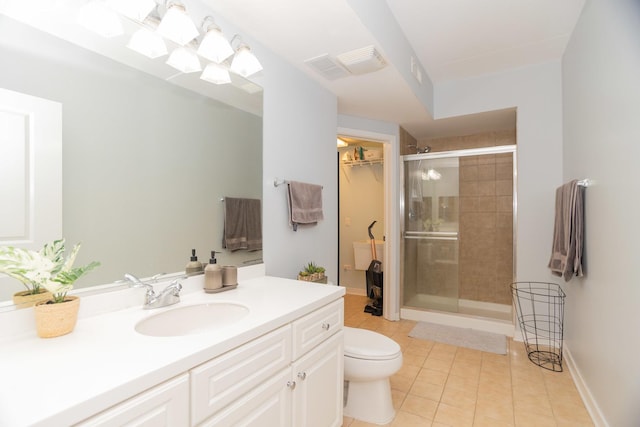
48 269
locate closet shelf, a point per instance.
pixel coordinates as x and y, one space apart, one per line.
361 162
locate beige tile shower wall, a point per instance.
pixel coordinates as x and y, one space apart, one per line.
486 216
408 143
486 228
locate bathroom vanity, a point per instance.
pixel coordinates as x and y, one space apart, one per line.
279 364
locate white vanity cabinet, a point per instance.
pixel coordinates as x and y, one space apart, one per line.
227 381
292 376
318 376
166 404
281 365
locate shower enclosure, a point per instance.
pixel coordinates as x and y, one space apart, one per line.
457 231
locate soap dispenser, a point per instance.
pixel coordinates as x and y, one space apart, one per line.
212 275
194 266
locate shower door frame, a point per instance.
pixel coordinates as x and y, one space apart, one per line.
448 154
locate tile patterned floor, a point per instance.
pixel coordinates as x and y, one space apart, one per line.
443 385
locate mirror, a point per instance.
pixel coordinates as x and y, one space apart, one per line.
146 162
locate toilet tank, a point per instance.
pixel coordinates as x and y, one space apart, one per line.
362 253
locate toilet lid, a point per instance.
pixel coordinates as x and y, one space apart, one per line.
365 344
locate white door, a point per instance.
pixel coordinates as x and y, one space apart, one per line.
30 175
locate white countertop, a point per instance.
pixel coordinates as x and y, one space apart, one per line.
63 380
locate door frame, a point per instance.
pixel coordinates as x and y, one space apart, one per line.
391 179
447 154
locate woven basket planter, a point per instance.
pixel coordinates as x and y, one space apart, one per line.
54 320
27 299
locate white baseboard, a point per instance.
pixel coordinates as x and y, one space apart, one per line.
356 291
587 398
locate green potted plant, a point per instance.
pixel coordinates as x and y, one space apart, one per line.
48 269
312 273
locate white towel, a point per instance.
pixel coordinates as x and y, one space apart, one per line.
305 203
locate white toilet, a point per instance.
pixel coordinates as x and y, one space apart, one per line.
370 359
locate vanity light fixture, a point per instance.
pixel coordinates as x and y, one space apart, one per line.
341 143
244 62
214 46
96 16
176 24
216 74
148 43
137 10
184 59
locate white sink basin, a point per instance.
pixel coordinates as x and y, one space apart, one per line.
191 319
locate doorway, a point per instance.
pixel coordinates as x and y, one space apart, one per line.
360 204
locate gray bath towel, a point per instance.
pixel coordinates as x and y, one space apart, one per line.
242 224
304 202
568 232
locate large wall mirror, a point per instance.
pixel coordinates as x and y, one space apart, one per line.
146 162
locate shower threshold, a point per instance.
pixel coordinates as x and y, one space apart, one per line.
488 317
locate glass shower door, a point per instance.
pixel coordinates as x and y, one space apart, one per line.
430 233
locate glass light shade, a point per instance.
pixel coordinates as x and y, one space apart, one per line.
217 74
185 60
431 175
177 26
244 62
135 9
147 43
214 46
97 17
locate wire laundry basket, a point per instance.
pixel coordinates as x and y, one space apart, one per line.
540 310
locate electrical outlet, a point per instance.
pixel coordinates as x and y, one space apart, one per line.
347 221
348 267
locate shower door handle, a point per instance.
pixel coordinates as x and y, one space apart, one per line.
422 235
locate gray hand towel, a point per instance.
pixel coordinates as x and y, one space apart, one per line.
242 224
568 232
304 202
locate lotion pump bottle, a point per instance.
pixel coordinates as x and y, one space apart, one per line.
212 275
194 266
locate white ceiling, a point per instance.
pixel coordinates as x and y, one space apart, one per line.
452 39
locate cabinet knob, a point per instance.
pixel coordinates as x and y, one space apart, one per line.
291 385
326 326
302 375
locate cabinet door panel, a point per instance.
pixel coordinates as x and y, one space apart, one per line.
265 406
319 376
226 378
309 331
165 405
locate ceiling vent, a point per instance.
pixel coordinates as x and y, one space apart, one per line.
327 67
364 60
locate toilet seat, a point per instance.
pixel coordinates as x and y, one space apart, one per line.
369 345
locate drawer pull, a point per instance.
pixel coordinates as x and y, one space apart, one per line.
291 385
326 326
302 375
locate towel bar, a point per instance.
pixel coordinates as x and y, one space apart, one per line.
278 182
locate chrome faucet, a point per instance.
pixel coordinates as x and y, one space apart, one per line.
169 295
